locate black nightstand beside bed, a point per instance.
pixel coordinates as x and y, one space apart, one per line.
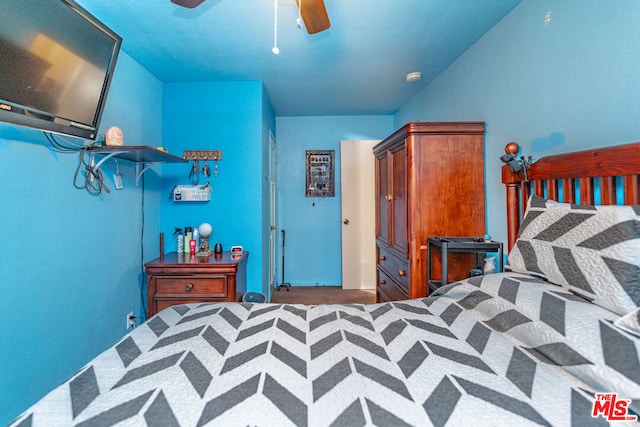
477 245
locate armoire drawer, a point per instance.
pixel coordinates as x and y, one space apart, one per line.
388 290
394 267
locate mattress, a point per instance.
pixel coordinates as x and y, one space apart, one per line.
500 349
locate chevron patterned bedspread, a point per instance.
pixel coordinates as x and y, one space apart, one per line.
502 349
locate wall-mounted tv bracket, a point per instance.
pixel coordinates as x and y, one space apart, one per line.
202 155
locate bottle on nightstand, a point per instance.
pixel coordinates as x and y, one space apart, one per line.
180 238
187 238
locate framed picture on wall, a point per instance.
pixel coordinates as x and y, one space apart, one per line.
319 177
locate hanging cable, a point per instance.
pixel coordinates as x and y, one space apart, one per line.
275 49
93 178
58 146
142 272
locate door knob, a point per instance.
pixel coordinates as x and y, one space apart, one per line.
346 221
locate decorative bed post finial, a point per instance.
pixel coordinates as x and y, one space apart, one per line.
512 148
510 159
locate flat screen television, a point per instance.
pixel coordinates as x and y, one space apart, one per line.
56 65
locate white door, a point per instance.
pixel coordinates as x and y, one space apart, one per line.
358 214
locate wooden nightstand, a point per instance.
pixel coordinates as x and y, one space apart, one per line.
179 278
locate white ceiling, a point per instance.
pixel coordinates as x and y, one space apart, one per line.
357 67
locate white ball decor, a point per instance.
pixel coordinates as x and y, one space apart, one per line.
205 229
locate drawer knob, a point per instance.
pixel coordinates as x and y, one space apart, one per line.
388 197
382 281
402 273
189 287
382 257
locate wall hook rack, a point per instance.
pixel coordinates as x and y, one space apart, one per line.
202 154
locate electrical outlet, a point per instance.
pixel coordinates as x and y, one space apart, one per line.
131 320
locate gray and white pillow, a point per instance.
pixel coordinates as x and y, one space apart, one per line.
594 251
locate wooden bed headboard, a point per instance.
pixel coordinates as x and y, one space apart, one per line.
601 176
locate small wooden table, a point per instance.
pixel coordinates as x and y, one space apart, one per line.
178 278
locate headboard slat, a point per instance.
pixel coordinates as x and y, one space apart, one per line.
608 190
631 192
586 191
538 188
552 189
568 190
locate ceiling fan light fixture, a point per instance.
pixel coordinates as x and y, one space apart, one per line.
413 77
314 15
275 49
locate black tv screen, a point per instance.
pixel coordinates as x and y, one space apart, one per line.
56 65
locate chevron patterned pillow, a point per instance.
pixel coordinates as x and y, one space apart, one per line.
594 251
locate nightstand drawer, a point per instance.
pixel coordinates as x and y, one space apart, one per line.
213 286
394 267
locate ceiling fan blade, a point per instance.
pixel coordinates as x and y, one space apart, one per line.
187 3
314 15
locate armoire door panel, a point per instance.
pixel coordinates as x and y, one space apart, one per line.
382 199
399 201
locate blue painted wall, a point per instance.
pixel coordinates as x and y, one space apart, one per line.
314 225
570 84
71 262
236 118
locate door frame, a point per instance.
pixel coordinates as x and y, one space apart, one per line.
273 237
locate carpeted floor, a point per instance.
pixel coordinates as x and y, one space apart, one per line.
314 295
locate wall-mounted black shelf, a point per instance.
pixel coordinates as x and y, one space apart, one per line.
140 154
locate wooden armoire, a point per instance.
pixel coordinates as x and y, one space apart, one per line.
429 182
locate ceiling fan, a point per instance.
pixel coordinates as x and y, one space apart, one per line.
314 13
